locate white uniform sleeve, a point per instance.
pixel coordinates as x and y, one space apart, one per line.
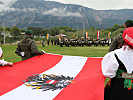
109 65
1 52
2 62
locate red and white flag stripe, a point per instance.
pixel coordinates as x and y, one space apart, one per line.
88 78
98 34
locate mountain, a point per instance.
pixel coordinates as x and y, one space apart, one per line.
41 13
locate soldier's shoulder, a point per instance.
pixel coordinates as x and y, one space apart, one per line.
33 43
119 36
19 43
29 40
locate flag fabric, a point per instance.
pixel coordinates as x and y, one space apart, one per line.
73 35
109 35
87 83
98 34
61 35
86 34
47 36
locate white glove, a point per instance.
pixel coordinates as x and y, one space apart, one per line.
43 51
22 54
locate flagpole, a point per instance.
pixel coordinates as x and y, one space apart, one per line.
4 31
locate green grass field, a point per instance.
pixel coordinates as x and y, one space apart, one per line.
9 51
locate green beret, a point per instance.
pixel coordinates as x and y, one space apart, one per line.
29 32
129 21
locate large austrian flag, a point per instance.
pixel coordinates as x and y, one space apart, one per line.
53 77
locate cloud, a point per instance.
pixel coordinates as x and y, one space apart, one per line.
101 4
6 5
61 12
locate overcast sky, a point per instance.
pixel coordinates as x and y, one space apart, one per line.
101 4
95 4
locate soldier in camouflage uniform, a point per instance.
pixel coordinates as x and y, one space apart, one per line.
118 41
27 48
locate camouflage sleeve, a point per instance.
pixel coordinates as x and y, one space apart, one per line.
18 50
117 42
34 49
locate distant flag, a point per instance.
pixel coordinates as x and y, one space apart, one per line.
73 35
109 35
98 33
86 34
47 36
61 35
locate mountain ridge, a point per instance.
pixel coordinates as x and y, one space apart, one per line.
45 14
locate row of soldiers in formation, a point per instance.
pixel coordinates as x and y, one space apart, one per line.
79 42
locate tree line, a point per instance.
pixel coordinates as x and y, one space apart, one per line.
15 31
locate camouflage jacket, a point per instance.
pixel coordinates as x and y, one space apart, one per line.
117 42
29 47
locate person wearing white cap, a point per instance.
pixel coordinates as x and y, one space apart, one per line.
2 62
118 65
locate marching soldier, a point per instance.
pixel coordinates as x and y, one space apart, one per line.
27 48
61 42
82 42
52 41
43 43
57 40
67 42
48 41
